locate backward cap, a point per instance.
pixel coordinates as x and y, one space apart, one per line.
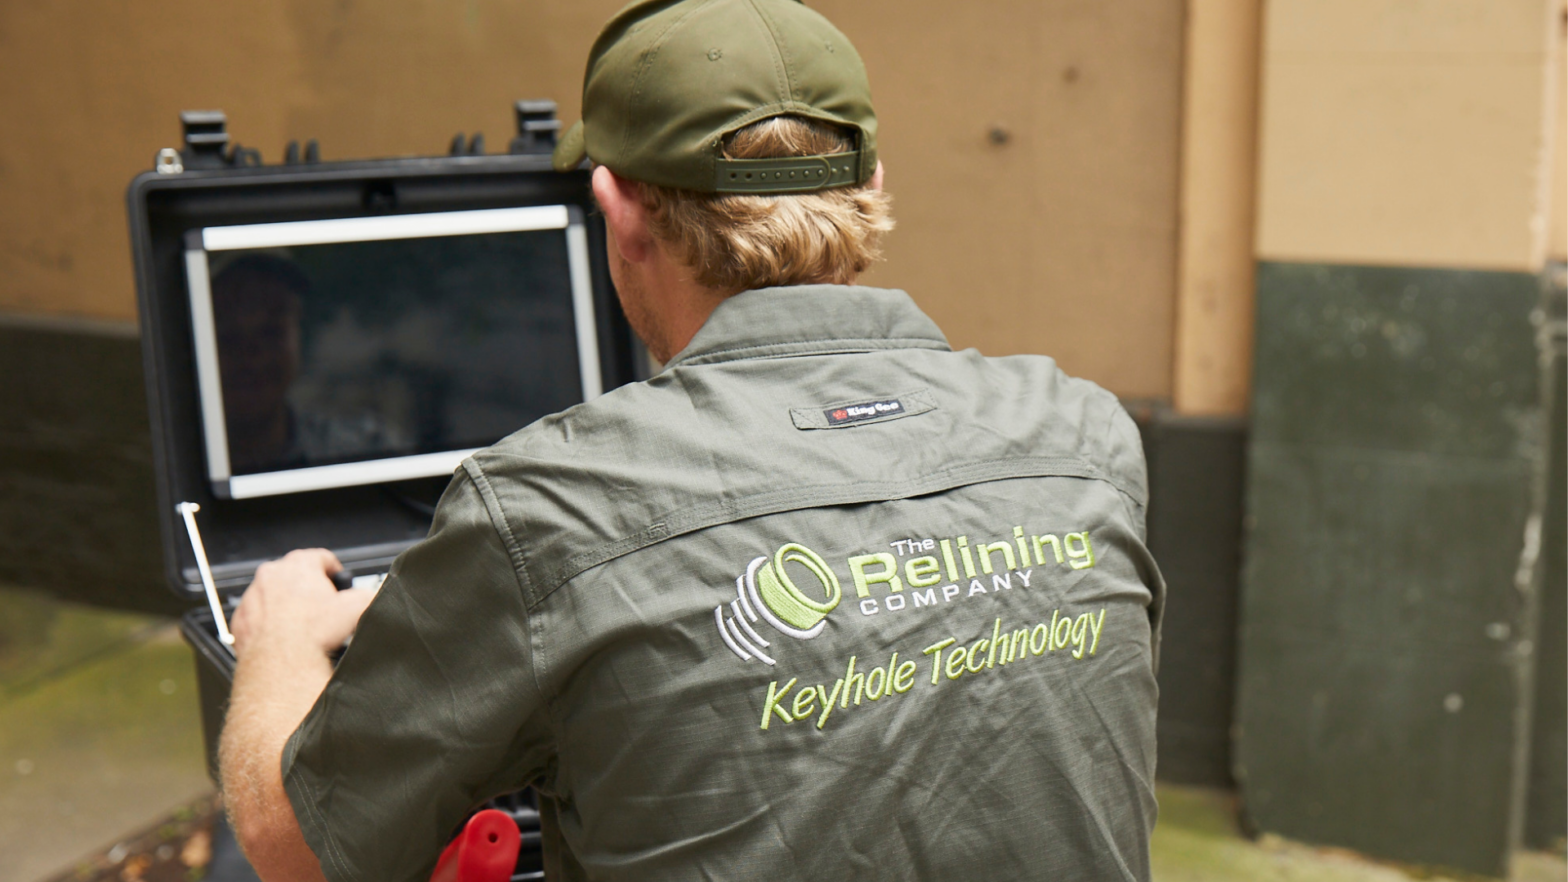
667 81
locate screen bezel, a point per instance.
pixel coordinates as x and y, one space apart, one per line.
201 242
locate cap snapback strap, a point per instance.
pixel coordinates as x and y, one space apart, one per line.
794 174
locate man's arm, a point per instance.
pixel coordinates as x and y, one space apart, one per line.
436 707
290 618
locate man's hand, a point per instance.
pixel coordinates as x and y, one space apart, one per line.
290 618
291 603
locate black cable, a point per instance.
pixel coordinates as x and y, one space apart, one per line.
424 509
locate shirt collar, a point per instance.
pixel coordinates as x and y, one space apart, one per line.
810 320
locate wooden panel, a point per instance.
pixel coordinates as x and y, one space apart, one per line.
1213 359
91 89
1557 132
1400 132
1061 240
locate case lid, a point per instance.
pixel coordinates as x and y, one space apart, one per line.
372 433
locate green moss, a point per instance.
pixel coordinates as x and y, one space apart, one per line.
42 637
98 749
113 703
25 621
1197 840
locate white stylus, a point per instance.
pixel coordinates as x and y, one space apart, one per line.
188 511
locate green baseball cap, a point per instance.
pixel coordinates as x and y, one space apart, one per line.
669 80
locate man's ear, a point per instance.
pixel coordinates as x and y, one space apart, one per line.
624 215
876 178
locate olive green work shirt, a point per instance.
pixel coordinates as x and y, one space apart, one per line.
822 600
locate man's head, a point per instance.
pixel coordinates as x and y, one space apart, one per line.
736 146
257 304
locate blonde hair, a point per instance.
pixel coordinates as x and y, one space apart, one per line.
736 242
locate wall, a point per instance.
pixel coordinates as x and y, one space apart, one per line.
92 89
1059 240
1405 132
1062 239
1557 136
1212 365
1388 605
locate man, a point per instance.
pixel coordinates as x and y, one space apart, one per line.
821 600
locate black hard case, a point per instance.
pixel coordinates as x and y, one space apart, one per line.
366 526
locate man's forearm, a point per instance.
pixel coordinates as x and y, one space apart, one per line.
275 686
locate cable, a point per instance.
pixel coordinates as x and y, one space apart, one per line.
423 509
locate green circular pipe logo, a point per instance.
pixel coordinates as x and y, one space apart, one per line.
785 600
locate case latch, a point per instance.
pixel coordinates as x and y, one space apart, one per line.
537 127
207 144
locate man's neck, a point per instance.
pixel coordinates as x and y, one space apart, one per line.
668 306
664 302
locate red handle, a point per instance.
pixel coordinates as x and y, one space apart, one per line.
486 850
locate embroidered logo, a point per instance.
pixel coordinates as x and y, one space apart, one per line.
795 590
767 592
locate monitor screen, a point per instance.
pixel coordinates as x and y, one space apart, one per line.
353 351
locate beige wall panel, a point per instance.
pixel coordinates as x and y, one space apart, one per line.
1557 195
1403 131
88 91
1059 241
402 76
1215 277
91 89
1394 28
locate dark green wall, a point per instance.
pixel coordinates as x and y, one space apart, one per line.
76 485
1546 812
1396 436
1196 470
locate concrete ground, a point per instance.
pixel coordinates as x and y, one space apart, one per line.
99 731
1197 840
100 741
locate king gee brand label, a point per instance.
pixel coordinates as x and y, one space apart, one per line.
866 410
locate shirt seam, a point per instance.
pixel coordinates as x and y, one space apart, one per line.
699 517
319 822
786 80
646 62
502 526
514 550
838 346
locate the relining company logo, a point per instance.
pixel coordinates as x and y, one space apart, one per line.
796 590
766 592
